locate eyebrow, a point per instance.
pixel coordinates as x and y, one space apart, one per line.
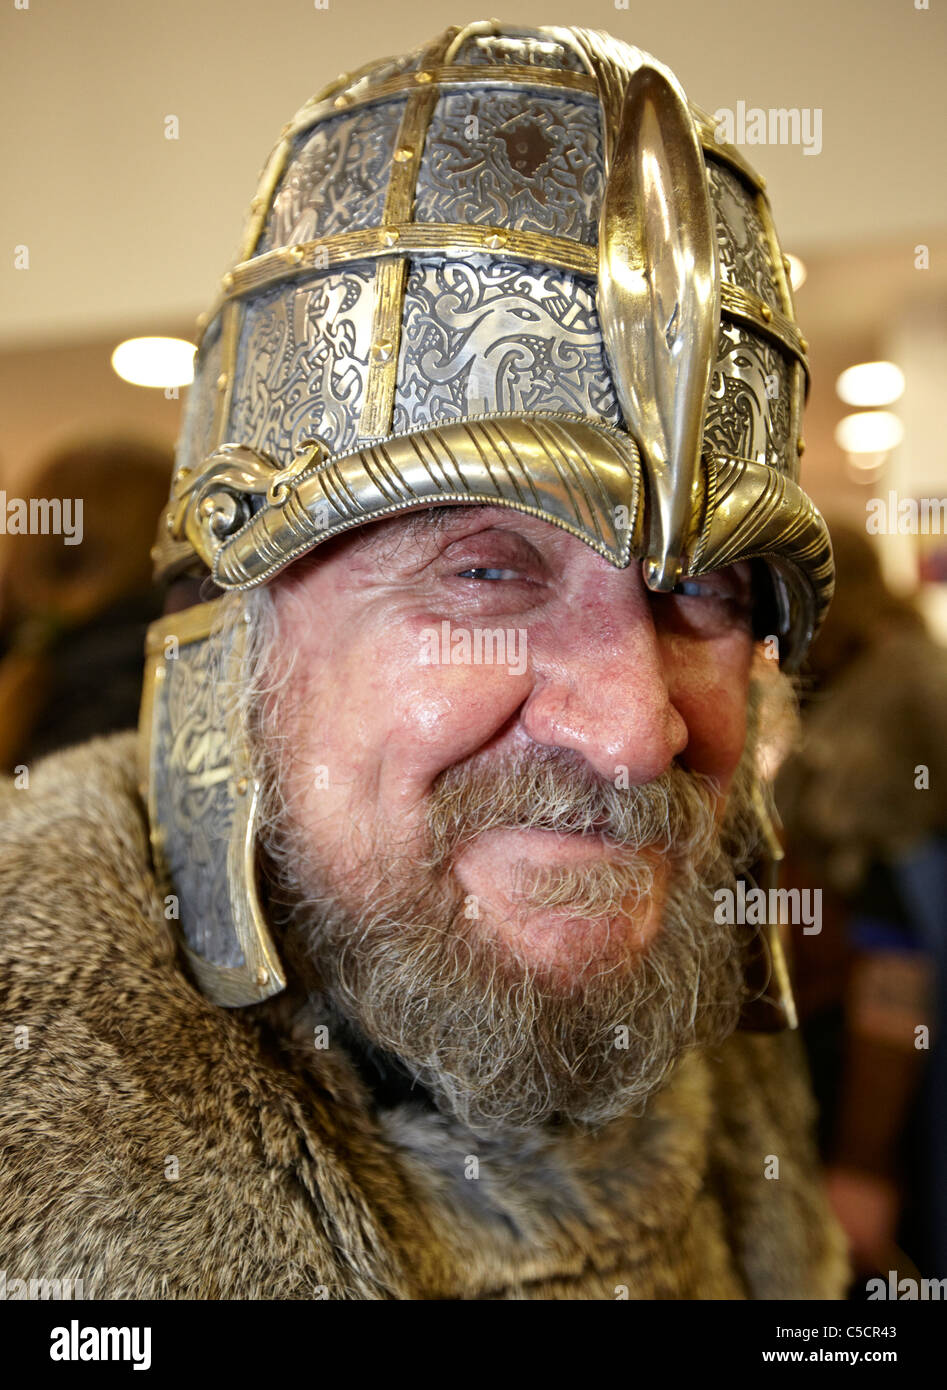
433 521
412 525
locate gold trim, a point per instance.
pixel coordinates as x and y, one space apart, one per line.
756 512
344 80
382 376
457 242
567 470
556 80
229 342
724 153
260 205
390 277
406 238
770 323
263 197
187 625
776 256
449 75
657 248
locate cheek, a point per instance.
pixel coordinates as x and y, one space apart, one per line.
709 685
430 712
382 719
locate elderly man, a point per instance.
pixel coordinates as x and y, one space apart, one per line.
423 983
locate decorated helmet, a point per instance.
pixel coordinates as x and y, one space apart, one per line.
514 267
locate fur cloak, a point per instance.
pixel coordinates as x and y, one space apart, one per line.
155 1145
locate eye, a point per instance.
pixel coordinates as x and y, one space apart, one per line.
695 588
484 573
707 604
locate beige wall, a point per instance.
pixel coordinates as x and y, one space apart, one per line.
50 396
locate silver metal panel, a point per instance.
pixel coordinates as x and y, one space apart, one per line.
741 238
749 411
491 335
336 179
302 363
513 159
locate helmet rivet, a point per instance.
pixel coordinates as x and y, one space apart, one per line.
242 785
262 975
296 254
787 263
761 181
202 320
222 381
423 77
403 154
766 312
389 236
341 101
382 350
800 447
227 280
496 241
804 344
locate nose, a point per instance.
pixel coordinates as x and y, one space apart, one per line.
601 687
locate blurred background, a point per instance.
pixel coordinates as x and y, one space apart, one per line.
132 139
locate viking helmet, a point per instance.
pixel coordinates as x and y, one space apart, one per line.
515 267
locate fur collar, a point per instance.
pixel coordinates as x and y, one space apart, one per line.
160 1146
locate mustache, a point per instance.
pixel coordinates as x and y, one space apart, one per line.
555 789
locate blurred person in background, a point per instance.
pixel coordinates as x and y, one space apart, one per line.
864 802
74 616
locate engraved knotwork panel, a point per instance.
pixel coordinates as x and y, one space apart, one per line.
511 159
745 258
487 335
337 178
302 364
744 419
193 800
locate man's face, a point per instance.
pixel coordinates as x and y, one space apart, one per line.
525 817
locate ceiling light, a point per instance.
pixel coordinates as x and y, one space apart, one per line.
871 383
869 432
155 361
797 272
